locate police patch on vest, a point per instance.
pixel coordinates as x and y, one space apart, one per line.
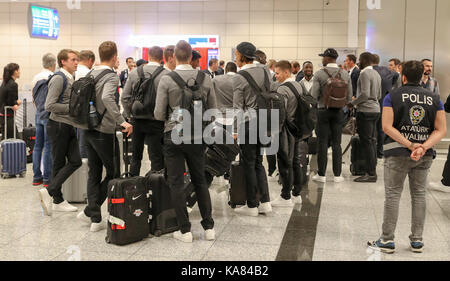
416 113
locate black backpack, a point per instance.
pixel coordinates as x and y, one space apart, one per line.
266 99
305 116
143 97
40 92
191 98
83 92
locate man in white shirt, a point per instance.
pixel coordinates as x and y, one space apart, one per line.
213 65
307 81
87 60
42 146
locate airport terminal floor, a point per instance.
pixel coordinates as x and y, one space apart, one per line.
334 222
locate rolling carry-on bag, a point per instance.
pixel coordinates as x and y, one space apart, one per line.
28 133
238 185
358 165
128 208
74 188
303 162
13 158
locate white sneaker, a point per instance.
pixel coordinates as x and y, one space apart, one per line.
319 178
186 237
210 234
281 202
97 226
223 188
189 210
265 208
64 207
438 186
297 199
46 201
274 176
246 211
82 217
339 179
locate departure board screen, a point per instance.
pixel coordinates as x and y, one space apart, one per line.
43 22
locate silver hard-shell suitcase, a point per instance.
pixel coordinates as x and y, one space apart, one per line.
74 188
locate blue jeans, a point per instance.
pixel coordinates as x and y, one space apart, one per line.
42 144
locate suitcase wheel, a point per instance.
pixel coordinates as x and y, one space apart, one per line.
22 175
107 240
232 205
158 233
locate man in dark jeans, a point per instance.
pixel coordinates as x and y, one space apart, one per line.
60 130
244 100
146 128
444 184
101 142
368 112
168 104
330 121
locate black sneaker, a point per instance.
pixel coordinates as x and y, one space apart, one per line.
46 183
387 247
37 182
417 246
366 178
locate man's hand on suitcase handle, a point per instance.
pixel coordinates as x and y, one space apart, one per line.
128 128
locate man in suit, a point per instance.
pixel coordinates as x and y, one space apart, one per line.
124 74
353 70
220 70
213 66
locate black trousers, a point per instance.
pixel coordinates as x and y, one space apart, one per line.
103 151
446 172
65 155
150 133
366 123
176 156
272 163
380 137
10 126
256 177
289 164
329 128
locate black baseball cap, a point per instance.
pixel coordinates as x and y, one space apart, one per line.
195 55
247 50
330 52
141 62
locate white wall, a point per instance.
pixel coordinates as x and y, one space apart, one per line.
283 29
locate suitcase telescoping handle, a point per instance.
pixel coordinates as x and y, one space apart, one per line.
6 121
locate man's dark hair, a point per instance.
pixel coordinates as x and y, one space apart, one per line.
396 61
295 64
375 59
107 50
155 53
306 62
231 67
64 55
168 52
212 61
413 70
260 56
284 65
221 63
183 51
87 55
365 59
352 58
129 58
424 60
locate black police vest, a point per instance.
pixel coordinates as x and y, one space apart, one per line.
415 111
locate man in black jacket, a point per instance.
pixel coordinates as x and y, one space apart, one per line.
353 70
444 184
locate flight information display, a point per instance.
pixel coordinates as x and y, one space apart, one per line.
43 22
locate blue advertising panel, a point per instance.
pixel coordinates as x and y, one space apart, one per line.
43 22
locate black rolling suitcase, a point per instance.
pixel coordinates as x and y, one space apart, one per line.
163 217
128 207
28 133
238 185
358 165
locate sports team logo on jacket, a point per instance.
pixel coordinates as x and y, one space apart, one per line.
416 113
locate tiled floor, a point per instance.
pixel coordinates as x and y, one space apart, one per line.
347 215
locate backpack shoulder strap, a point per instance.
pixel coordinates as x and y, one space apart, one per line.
293 89
250 80
200 78
101 74
177 79
327 72
59 73
140 72
157 71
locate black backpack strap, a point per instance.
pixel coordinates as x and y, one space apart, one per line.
140 72
101 74
177 79
293 89
250 80
157 71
